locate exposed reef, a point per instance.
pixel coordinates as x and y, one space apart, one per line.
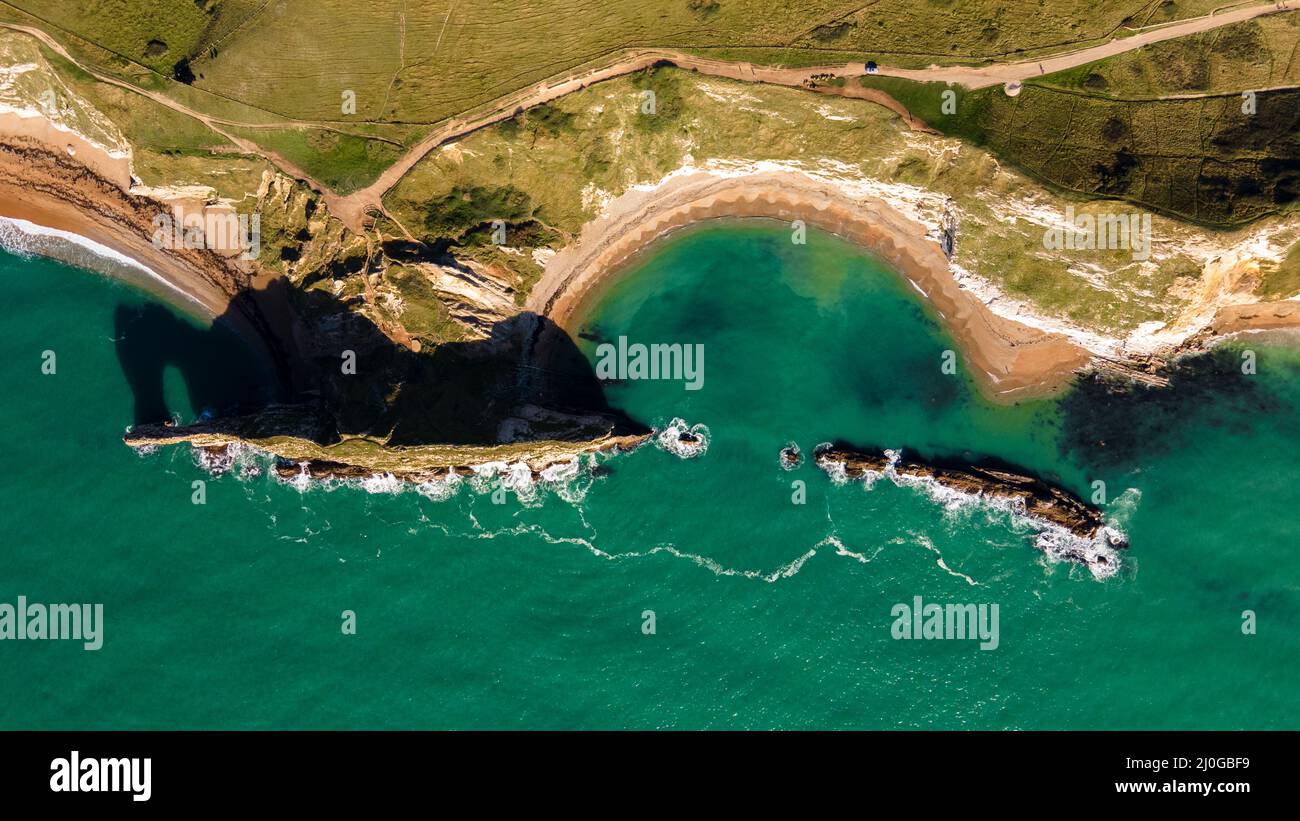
791 456
985 478
1071 528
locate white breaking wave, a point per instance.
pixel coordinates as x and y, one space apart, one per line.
839 471
570 479
670 439
1121 509
924 541
441 489
27 239
512 477
562 471
785 571
841 550
385 483
1058 543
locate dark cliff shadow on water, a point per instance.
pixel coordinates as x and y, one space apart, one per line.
318 368
222 374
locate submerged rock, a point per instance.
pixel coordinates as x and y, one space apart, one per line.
215 459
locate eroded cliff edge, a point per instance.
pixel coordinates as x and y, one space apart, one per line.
350 391
437 311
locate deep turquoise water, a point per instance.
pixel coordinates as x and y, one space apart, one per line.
768 613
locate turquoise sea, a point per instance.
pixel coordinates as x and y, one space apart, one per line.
767 613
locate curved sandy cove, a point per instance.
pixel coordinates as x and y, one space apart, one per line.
1008 360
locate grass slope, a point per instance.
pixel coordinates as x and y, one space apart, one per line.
423 62
1204 159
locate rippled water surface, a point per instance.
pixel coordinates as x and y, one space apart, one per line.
767 612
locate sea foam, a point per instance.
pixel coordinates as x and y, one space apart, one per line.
1099 553
27 239
682 440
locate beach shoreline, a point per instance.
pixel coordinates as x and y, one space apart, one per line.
73 210
23 237
42 188
1008 360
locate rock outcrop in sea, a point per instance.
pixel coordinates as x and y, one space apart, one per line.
1071 528
791 457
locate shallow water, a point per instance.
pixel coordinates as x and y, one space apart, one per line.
767 613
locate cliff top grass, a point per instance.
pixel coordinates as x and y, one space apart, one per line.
1256 54
1213 160
256 61
422 62
342 161
1282 280
562 178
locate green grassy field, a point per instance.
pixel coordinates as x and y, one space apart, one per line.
1256 54
1283 280
1102 130
917 33
410 62
424 63
410 65
1205 159
344 162
156 34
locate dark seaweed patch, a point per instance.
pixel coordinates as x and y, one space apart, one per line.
1110 423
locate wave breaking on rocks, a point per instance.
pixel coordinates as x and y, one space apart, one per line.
1068 528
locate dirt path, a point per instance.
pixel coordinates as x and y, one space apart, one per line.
999 74
355 209
214 123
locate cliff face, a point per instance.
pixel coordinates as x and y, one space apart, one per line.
59 191
360 399
386 357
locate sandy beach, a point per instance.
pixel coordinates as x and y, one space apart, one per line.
1008 360
114 167
1255 317
58 192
